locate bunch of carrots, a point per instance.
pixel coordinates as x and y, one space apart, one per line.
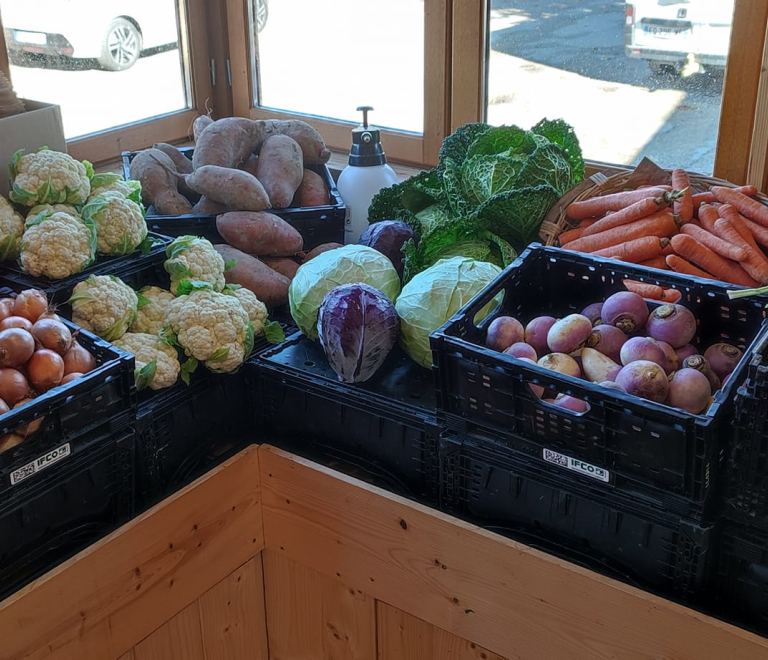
719 234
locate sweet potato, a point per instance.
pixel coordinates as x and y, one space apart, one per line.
262 234
199 125
269 286
249 165
183 166
208 206
283 265
280 169
233 188
228 142
324 247
311 142
159 187
312 191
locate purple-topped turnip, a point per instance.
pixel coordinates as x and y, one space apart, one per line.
688 389
673 324
594 313
569 334
612 385
522 350
642 348
607 339
626 310
700 363
538 390
536 333
597 367
644 379
671 363
503 332
561 363
723 359
685 351
571 403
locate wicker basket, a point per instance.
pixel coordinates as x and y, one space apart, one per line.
604 183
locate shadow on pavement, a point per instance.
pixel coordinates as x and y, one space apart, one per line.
37 61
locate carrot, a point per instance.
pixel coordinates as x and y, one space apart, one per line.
569 235
729 213
714 243
755 264
683 206
635 251
708 215
708 196
749 207
651 291
657 262
702 256
671 295
759 232
680 265
668 250
645 208
597 206
662 225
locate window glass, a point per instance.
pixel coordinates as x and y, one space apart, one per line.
105 62
327 57
639 78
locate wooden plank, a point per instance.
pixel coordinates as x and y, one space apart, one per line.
179 639
127 656
312 617
238 26
757 174
740 88
469 63
114 594
5 66
233 618
404 637
504 596
437 68
195 51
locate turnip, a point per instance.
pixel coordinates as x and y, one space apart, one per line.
536 333
688 389
503 332
569 334
671 362
522 350
644 379
538 390
598 367
642 348
673 324
571 403
611 385
626 310
607 339
561 363
594 313
723 359
685 351
700 363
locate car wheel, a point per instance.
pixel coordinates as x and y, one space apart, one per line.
262 13
121 47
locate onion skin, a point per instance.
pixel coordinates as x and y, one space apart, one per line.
78 359
45 369
673 324
53 335
644 379
6 308
672 363
536 333
522 350
569 334
685 351
13 386
642 348
626 310
16 347
689 389
700 363
561 363
571 403
4 407
16 322
68 378
597 367
9 441
607 339
28 429
723 359
594 313
30 304
503 332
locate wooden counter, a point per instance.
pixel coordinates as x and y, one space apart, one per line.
272 556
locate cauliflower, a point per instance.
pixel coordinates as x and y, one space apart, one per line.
104 305
120 225
57 245
193 258
153 306
211 327
102 183
49 177
157 363
11 229
256 310
50 208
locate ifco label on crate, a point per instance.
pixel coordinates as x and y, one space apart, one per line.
577 466
40 463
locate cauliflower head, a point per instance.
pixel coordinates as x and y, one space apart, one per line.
11 229
256 310
105 305
211 327
102 183
157 363
153 306
57 245
35 211
120 225
193 258
49 177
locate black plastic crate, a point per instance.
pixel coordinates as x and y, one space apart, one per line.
59 291
608 533
384 428
84 492
625 443
316 224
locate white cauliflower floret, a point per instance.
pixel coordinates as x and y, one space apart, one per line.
128 189
153 306
211 327
256 310
193 258
49 177
105 305
120 225
157 363
11 229
35 211
57 246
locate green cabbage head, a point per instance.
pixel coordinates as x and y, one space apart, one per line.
433 296
345 265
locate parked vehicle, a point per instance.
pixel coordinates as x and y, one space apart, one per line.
670 34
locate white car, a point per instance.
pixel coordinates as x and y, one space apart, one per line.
673 34
113 32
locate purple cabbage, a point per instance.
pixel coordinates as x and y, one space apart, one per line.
388 237
357 326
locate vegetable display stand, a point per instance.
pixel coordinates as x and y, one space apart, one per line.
663 456
316 224
606 532
383 428
62 501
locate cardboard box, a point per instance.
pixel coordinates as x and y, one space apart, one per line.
39 126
